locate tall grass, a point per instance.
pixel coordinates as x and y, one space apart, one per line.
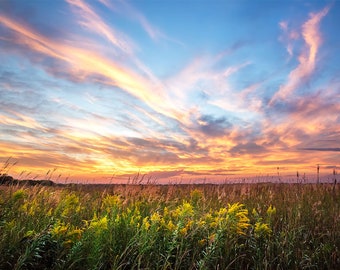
263 226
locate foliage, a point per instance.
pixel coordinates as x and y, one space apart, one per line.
262 226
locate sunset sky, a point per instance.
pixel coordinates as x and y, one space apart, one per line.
99 90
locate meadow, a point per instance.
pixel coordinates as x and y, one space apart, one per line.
235 226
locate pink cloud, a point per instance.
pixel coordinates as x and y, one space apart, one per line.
82 64
283 25
307 59
93 22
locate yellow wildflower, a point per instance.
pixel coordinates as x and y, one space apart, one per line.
155 217
29 233
99 224
208 217
201 223
189 224
170 226
70 205
271 210
166 212
202 242
222 211
49 213
254 213
59 229
11 224
111 201
75 233
146 224
19 195
237 217
183 231
135 220
262 229
234 208
184 210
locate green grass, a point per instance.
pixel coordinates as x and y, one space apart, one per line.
248 226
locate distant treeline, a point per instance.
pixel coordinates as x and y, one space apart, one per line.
9 180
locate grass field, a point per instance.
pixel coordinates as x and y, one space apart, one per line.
240 226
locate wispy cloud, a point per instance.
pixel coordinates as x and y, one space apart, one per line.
83 64
21 121
124 7
288 37
322 149
307 59
93 22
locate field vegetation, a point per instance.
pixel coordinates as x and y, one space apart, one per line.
239 226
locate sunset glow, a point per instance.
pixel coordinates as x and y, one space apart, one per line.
100 91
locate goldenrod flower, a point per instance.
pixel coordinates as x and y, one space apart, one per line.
262 229
166 212
111 201
222 211
202 242
99 225
237 217
183 231
271 210
234 208
170 226
29 233
59 229
201 223
255 213
19 194
75 233
70 205
155 217
184 210
50 211
146 224
213 224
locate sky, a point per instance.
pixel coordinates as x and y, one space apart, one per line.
103 90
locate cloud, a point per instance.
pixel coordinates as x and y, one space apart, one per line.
125 8
128 10
307 59
93 22
202 83
21 120
322 149
213 127
250 148
151 30
100 111
82 64
288 37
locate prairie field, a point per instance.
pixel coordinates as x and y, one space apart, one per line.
235 226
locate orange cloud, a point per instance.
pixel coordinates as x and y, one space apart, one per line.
307 60
22 121
92 21
83 63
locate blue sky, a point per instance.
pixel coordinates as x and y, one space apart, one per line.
174 89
